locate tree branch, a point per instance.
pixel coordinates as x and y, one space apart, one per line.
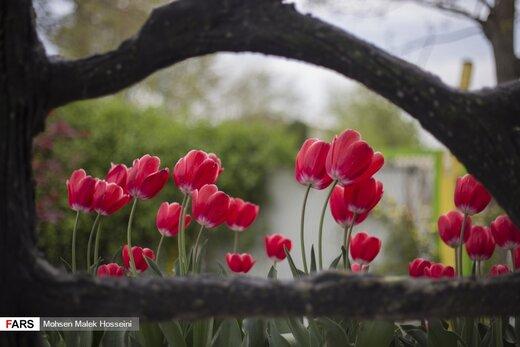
450 7
328 293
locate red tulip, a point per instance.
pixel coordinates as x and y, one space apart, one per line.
241 214
516 258
363 196
505 233
209 206
470 195
108 198
110 270
138 253
480 244
118 174
417 267
450 225
196 169
351 159
355 267
167 219
145 179
437 270
240 262
364 248
499 269
310 164
339 209
275 246
80 188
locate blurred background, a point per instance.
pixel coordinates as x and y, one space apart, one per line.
254 112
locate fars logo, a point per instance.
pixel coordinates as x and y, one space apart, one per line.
19 323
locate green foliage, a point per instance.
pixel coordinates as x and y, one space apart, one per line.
111 130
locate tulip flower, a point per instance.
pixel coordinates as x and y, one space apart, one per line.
196 169
505 233
364 248
470 195
80 188
118 174
362 196
241 214
108 198
499 269
437 270
240 262
168 217
351 159
145 178
516 258
138 254
275 246
480 244
417 267
450 226
209 206
339 209
309 168
110 270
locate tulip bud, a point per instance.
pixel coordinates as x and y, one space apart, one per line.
499 269
437 270
417 267
241 214
108 198
480 244
110 270
364 248
196 169
138 254
339 209
350 159
240 262
80 188
505 233
310 164
145 179
168 217
470 195
210 206
450 225
275 246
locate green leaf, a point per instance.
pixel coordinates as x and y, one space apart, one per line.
150 335
223 272
335 335
316 337
203 332
97 337
470 332
228 334
509 334
297 273
300 333
254 329
198 260
173 333
313 260
335 262
497 332
272 272
153 265
177 267
376 333
113 339
274 337
66 263
439 336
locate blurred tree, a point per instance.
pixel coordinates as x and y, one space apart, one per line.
381 123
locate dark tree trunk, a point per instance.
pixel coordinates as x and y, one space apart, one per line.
499 29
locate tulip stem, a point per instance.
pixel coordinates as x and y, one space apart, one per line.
159 248
235 242
73 246
129 239
302 228
179 236
196 246
346 242
182 236
96 244
458 260
322 218
89 244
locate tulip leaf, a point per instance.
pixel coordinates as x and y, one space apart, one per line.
153 265
509 334
97 336
199 256
203 332
274 336
223 272
177 267
254 329
315 334
113 339
439 336
496 326
228 334
297 273
470 332
335 335
66 263
335 262
150 335
300 333
173 333
375 333
272 272
313 260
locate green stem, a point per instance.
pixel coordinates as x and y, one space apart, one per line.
302 228
196 246
346 242
96 244
235 242
73 246
458 261
322 218
89 245
181 238
133 271
159 249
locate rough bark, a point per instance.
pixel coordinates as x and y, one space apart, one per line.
481 128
